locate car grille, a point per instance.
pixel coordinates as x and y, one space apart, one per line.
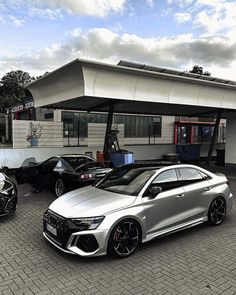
60 224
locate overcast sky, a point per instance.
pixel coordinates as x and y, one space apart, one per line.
41 35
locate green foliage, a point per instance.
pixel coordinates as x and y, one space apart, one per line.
12 88
199 70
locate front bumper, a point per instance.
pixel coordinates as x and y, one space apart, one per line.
73 245
8 205
84 243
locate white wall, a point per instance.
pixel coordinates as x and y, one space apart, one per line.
14 158
51 134
230 146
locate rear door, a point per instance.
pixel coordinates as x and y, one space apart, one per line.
46 173
197 193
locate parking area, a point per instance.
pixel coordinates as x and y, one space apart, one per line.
200 260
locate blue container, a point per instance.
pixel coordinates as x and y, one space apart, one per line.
34 142
121 158
188 152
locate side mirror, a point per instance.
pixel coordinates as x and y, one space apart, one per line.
154 191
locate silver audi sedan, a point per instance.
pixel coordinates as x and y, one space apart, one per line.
134 204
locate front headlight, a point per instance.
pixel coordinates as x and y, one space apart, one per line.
87 223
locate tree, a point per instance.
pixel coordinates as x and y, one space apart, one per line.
199 70
12 88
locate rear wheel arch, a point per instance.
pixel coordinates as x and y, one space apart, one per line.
216 197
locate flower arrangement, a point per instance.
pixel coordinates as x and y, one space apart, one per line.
35 133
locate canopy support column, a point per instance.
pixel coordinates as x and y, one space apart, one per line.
213 139
108 129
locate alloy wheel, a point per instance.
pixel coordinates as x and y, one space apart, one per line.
59 187
217 211
125 238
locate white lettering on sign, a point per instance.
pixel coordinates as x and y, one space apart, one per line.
29 104
21 107
17 108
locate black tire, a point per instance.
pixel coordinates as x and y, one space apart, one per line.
217 211
59 187
124 238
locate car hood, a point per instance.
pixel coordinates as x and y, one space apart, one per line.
88 202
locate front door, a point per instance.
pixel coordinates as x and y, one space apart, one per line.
165 210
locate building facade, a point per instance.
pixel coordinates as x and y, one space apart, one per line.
81 129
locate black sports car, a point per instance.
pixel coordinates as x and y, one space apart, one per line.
62 173
8 195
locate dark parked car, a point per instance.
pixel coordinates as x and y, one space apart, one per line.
62 173
8 195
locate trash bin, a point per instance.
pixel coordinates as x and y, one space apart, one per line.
100 156
220 157
188 152
121 158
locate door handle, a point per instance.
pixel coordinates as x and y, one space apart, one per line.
180 196
208 188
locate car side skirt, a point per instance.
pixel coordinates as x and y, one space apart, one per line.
174 229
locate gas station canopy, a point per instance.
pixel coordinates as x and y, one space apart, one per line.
132 88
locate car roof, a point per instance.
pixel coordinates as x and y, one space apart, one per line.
149 164
159 165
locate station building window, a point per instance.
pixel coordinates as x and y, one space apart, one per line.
75 124
139 126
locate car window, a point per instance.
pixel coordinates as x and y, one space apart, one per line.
49 165
166 176
189 174
167 180
62 166
204 175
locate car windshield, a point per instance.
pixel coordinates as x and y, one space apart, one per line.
126 182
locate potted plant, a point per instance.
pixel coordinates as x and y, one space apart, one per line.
35 133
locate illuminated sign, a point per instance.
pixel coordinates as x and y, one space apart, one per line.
22 107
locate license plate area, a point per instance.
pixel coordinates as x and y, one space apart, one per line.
51 229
